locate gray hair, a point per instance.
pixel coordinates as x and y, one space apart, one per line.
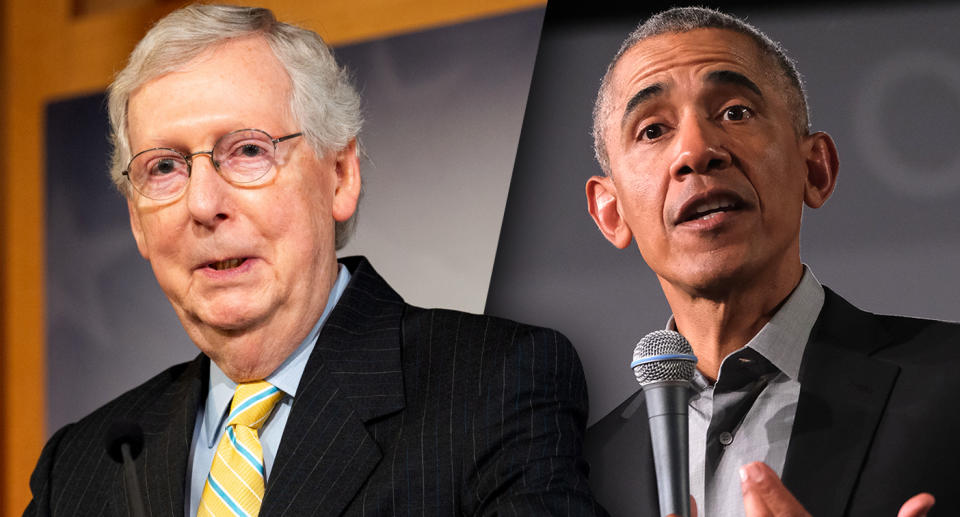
322 100
685 19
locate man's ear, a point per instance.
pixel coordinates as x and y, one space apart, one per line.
823 164
137 230
605 210
347 193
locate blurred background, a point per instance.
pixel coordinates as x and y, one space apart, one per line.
444 86
882 78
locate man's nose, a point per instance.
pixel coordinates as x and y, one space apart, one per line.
207 192
700 147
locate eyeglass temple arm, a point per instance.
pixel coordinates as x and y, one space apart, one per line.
285 138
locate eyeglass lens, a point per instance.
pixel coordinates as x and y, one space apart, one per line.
241 157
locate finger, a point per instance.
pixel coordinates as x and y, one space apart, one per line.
753 503
917 506
765 496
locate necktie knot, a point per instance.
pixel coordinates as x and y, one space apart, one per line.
252 404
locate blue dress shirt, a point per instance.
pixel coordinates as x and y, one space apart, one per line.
212 416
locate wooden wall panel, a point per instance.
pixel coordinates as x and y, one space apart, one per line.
49 51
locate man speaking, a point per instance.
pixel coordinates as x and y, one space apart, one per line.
701 129
318 390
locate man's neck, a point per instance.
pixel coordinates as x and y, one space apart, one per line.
721 323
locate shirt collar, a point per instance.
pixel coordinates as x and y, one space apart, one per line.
286 377
784 338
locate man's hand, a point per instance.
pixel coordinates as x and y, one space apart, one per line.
765 496
917 506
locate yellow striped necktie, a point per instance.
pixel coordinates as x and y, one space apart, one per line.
235 485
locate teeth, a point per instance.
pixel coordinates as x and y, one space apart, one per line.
227 264
707 209
713 205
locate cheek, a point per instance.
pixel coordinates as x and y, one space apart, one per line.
161 236
645 197
781 178
301 219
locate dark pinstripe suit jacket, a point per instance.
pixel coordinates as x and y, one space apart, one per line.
400 411
876 422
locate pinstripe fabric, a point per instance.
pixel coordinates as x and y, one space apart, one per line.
235 484
75 477
400 411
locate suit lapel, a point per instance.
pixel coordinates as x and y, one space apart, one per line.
620 454
353 376
842 397
168 432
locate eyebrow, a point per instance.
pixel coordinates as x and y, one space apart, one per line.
717 77
734 78
639 98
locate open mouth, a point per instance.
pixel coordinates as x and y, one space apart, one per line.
709 206
710 209
221 265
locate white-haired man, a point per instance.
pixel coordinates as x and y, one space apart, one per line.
318 390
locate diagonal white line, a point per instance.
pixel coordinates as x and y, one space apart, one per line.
233 506
238 476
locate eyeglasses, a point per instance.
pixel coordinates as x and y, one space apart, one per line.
241 157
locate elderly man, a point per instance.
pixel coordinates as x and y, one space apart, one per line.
318 390
701 130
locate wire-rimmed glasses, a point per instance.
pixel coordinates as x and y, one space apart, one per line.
242 157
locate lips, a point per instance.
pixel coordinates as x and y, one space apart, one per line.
708 205
230 263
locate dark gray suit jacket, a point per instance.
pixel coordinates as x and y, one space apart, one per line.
400 411
876 423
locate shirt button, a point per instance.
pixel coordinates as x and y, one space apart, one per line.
726 438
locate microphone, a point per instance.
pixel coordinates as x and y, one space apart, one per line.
663 363
124 441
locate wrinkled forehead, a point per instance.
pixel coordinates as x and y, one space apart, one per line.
247 60
666 58
240 78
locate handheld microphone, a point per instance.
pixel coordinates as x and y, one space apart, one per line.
663 363
124 441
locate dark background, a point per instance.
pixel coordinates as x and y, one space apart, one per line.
882 79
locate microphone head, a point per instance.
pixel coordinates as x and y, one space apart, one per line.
663 355
121 432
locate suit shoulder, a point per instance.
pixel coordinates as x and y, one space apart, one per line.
489 348
906 327
918 339
76 457
478 329
132 403
898 338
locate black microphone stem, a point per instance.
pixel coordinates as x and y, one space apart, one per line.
132 484
666 411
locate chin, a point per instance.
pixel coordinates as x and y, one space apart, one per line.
712 276
230 317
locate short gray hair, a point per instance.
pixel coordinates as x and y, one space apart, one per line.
685 19
322 100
